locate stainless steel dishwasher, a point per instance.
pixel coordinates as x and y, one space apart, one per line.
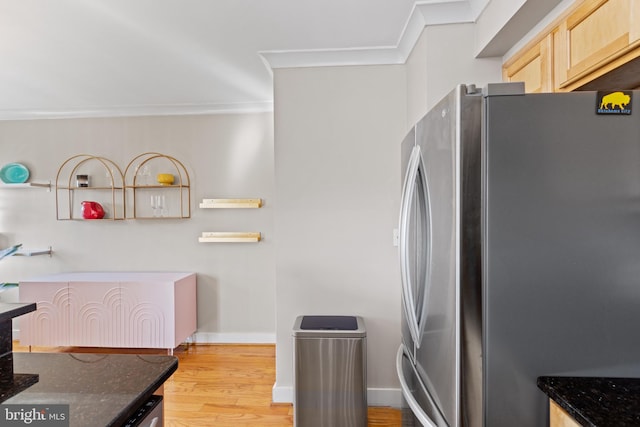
330 371
148 415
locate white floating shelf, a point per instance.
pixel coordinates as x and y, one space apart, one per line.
46 185
230 203
33 252
229 237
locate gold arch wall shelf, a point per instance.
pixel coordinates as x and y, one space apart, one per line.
134 194
105 186
145 192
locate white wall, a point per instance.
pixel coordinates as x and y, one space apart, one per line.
337 151
337 183
337 160
503 22
226 156
444 57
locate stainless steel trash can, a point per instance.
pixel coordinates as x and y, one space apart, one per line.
330 371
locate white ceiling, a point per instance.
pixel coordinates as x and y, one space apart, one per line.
111 57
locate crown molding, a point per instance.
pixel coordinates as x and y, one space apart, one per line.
432 12
328 57
139 110
426 12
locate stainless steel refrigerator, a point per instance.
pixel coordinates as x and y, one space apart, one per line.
519 251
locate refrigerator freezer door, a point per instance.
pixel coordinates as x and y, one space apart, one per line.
415 245
422 410
437 358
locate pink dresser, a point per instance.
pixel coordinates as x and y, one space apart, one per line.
110 309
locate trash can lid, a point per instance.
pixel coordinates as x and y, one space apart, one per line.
329 327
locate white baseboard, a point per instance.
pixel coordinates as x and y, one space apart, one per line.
281 394
214 338
232 338
375 396
384 397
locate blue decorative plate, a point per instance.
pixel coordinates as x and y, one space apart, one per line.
14 173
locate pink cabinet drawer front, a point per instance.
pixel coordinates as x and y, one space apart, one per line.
135 310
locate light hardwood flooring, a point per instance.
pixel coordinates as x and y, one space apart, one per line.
225 385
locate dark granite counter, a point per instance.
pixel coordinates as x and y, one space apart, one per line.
10 310
7 312
100 389
597 402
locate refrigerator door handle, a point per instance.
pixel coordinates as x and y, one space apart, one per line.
417 410
415 181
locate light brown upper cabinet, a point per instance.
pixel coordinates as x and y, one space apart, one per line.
594 45
599 36
533 67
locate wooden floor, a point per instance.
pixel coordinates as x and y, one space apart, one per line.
226 385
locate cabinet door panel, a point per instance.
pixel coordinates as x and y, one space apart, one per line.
148 310
558 417
594 34
533 68
95 314
49 324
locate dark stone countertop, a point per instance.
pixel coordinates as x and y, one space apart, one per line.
10 310
7 312
100 389
597 402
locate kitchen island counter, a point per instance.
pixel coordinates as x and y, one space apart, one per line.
100 389
594 401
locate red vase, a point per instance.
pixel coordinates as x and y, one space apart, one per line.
92 210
